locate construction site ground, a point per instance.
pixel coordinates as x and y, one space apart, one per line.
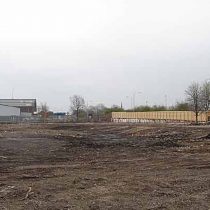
104 166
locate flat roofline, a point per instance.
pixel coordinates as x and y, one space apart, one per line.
18 99
9 106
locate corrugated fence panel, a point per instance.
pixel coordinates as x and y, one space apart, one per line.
161 115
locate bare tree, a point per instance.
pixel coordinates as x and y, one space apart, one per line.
77 104
97 112
194 98
205 90
43 107
43 110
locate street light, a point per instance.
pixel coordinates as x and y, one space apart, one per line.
134 99
166 100
127 97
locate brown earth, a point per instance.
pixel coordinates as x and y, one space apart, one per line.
104 166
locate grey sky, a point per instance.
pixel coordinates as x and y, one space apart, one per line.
103 49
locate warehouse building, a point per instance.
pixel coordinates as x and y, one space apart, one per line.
8 111
27 107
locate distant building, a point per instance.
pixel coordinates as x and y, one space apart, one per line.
27 106
7 111
59 115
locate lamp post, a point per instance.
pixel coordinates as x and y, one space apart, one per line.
166 101
134 99
127 97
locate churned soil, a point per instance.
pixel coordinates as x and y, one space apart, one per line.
104 166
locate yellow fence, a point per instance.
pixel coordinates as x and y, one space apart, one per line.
185 116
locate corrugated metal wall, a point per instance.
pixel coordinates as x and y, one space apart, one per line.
9 111
161 115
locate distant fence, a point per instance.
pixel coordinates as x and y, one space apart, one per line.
31 119
9 119
18 119
161 116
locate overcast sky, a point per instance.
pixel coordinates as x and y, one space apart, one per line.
103 50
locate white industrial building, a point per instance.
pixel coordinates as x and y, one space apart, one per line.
27 106
7 111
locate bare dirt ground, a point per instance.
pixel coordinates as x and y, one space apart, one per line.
104 166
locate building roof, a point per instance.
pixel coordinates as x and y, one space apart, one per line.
18 102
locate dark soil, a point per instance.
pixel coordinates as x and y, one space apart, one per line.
104 166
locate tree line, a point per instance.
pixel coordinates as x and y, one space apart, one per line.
198 97
197 100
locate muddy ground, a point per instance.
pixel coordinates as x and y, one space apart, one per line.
104 166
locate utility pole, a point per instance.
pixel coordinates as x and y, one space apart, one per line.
130 100
12 93
134 99
166 101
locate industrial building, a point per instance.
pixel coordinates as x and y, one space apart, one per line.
27 107
160 116
7 111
